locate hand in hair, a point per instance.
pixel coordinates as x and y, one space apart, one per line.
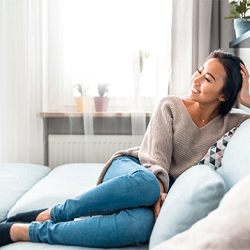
244 96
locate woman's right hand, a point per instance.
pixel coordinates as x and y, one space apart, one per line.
244 96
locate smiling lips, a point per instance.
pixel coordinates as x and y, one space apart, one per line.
196 91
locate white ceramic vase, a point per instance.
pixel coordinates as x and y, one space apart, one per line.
241 25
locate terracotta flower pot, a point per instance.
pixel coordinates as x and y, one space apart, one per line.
101 104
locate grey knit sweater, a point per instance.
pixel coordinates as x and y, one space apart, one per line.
173 143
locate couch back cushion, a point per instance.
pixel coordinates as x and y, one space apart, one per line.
235 164
16 179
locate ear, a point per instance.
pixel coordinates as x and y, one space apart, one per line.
222 98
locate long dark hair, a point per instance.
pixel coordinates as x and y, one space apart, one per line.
233 79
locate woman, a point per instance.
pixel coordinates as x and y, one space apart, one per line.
178 136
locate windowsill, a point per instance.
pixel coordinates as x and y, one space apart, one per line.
50 114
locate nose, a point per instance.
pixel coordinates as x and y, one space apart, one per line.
197 80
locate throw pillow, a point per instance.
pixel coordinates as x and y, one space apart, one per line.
227 227
194 194
215 153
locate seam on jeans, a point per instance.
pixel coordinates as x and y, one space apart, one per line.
53 213
112 211
32 232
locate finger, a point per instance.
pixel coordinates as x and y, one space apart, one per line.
245 82
157 209
163 197
244 74
244 69
245 77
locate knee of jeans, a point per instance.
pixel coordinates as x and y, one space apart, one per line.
148 182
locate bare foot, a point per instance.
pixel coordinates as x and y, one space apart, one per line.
19 232
44 216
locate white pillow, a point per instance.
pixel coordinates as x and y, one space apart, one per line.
227 227
235 164
194 194
63 182
16 179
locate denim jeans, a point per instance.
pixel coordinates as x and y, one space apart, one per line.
116 213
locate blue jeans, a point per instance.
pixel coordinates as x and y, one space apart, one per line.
118 212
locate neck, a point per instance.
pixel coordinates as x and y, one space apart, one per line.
205 113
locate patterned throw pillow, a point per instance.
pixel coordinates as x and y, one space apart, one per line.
215 153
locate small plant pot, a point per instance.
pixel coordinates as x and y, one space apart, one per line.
241 26
79 104
101 104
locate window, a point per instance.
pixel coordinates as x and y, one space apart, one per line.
122 43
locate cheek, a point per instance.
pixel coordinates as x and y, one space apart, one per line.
211 91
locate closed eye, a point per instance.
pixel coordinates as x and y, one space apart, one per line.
207 79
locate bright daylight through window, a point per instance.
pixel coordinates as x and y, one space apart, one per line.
122 43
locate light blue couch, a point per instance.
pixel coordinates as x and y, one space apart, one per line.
186 212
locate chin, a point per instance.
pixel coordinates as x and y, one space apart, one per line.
189 95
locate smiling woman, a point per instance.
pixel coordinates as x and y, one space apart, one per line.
215 87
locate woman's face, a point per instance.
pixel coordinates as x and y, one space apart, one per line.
207 83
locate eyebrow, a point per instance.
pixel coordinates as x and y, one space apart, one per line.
209 73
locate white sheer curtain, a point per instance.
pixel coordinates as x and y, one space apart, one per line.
22 76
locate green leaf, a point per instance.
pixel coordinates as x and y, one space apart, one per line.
234 12
229 17
241 9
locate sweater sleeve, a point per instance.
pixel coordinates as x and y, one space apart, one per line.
156 149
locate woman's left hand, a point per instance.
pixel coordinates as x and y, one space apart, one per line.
158 204
244 96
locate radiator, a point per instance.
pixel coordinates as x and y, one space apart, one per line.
64 149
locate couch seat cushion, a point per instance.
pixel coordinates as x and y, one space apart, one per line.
63 182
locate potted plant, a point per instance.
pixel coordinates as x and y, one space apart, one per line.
241 20
79 92
101 101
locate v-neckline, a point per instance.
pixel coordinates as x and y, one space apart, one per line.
187 113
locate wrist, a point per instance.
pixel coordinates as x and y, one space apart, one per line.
161 186
246 101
